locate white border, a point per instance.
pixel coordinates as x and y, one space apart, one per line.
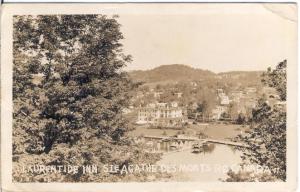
6 116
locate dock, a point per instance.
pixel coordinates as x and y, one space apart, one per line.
192 139
225 142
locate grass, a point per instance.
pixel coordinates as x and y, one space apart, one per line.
222 131
142 130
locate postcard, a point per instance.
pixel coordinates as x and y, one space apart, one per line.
149 97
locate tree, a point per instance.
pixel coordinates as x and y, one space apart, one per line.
241 119
80 72
201 108
249 176
277 79
68 92
204 108
233 110
164 133
224 115
267 138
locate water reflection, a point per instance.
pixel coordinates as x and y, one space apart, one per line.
167 145
209 148
216 158
164 146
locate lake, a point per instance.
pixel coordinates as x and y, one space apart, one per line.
210 165
212 160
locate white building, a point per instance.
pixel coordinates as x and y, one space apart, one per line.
236 96
179 95
157 94
224 100
218 111
162 114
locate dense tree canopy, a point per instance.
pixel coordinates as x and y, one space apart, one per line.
267 138
69 91
277 79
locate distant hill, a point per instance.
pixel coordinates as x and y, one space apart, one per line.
178 72
246 78
237 74
175 72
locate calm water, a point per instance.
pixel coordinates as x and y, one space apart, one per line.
210 165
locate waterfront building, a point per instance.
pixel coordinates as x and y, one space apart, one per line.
162 114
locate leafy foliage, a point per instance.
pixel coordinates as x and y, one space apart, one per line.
267 138
248 176
277 78
68 92
241 119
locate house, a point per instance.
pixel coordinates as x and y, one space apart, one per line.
236 96
222 107
224 100
218 111
194 84
126 110
157 94
179 95
162 114
220 91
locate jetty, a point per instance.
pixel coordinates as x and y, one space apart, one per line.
194 139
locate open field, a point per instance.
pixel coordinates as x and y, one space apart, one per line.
220 131
144 130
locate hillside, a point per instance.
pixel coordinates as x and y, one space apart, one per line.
246 78
177 73
173 73
238 74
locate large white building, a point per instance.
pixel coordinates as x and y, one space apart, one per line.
222 106
223 98
162 114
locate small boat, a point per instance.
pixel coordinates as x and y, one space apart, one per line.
173 147
205 144
197 148
166 140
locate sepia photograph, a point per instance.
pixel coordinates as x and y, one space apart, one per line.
152 93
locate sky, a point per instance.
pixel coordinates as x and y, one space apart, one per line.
215 37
